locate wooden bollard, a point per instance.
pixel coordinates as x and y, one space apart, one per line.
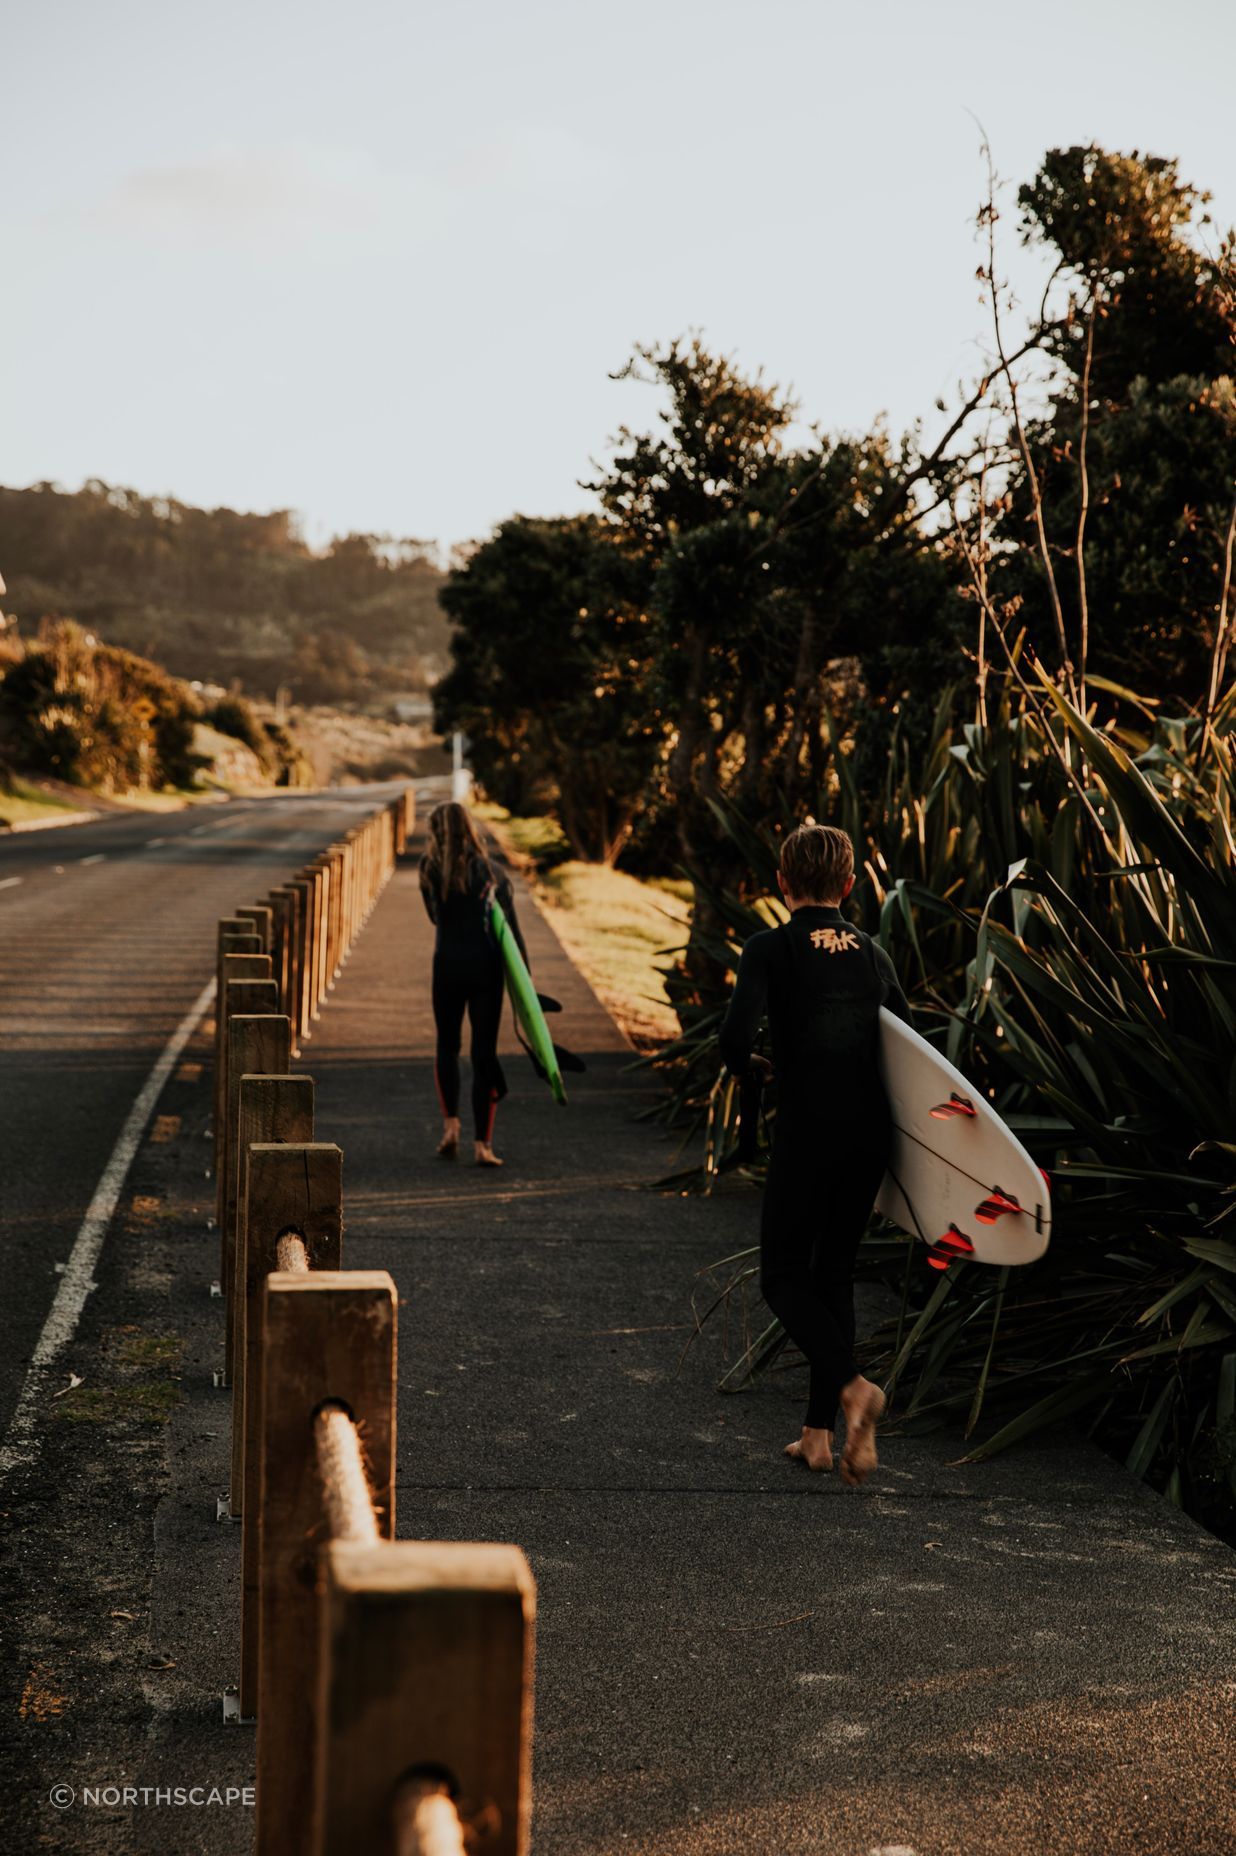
280 911
312 873
425 1661
336 912
261 1044
399 812
291 1187
327 1335
313 904
349 912
321 974
358 880
275 1110
232 967
260 915
251 995
233 936
295 953
303 891
321 885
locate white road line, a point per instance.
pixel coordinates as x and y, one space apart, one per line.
96 859
9 882
21 1444
151 842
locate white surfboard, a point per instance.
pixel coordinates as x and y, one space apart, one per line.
957 1177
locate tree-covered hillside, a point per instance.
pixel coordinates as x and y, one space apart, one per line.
220 595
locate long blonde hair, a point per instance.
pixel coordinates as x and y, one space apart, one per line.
454 842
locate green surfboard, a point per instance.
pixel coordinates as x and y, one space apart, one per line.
524 1003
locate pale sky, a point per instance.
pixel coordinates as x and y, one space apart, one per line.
374 262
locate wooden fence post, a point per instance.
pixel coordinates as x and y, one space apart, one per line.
290 1188
260 915
250 996
281 920
312 904
260 1043
275 1110
234 936
321 972
349 925
425 1661
232 968
328 1335
336 913
304 944
320 884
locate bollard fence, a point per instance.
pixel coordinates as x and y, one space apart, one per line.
273 1111
391 1680
292 1189
329 1336
261 1045
243 993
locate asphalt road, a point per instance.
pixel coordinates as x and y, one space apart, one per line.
105 937
1031 1657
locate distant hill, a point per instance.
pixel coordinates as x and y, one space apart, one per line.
222 596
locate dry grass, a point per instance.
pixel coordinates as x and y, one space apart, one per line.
620 930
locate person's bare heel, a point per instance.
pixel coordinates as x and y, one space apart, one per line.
863 1404
814 1448
485 1155
448 1146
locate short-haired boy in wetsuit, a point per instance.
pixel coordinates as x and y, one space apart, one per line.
822 983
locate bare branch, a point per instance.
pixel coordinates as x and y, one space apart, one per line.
1083 636
1223 636
1032 476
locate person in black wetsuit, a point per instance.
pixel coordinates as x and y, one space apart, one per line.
822 983
457 879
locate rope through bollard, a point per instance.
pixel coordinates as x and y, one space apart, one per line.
425 1820
291 1257
345 1487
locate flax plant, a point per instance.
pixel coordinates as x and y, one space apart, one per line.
1059 898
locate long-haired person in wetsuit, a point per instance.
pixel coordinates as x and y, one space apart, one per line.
822 983
457 880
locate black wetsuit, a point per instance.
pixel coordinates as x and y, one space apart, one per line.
468 975
822 983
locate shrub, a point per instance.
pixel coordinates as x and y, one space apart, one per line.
1061 903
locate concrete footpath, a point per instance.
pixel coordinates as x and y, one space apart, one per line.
1027 1657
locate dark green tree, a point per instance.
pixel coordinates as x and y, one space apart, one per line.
780 585
548 676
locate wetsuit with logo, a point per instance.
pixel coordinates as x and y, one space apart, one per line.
821 983
468 976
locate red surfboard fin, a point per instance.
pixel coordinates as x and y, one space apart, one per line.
956 1105
948 1248
999 1205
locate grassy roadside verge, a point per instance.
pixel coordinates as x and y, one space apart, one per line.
27 803
616 927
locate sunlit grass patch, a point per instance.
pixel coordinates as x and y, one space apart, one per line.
616 927
22 803
138 1382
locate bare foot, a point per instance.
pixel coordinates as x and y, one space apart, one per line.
448 1146
814 1448
485 1155
863 1403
